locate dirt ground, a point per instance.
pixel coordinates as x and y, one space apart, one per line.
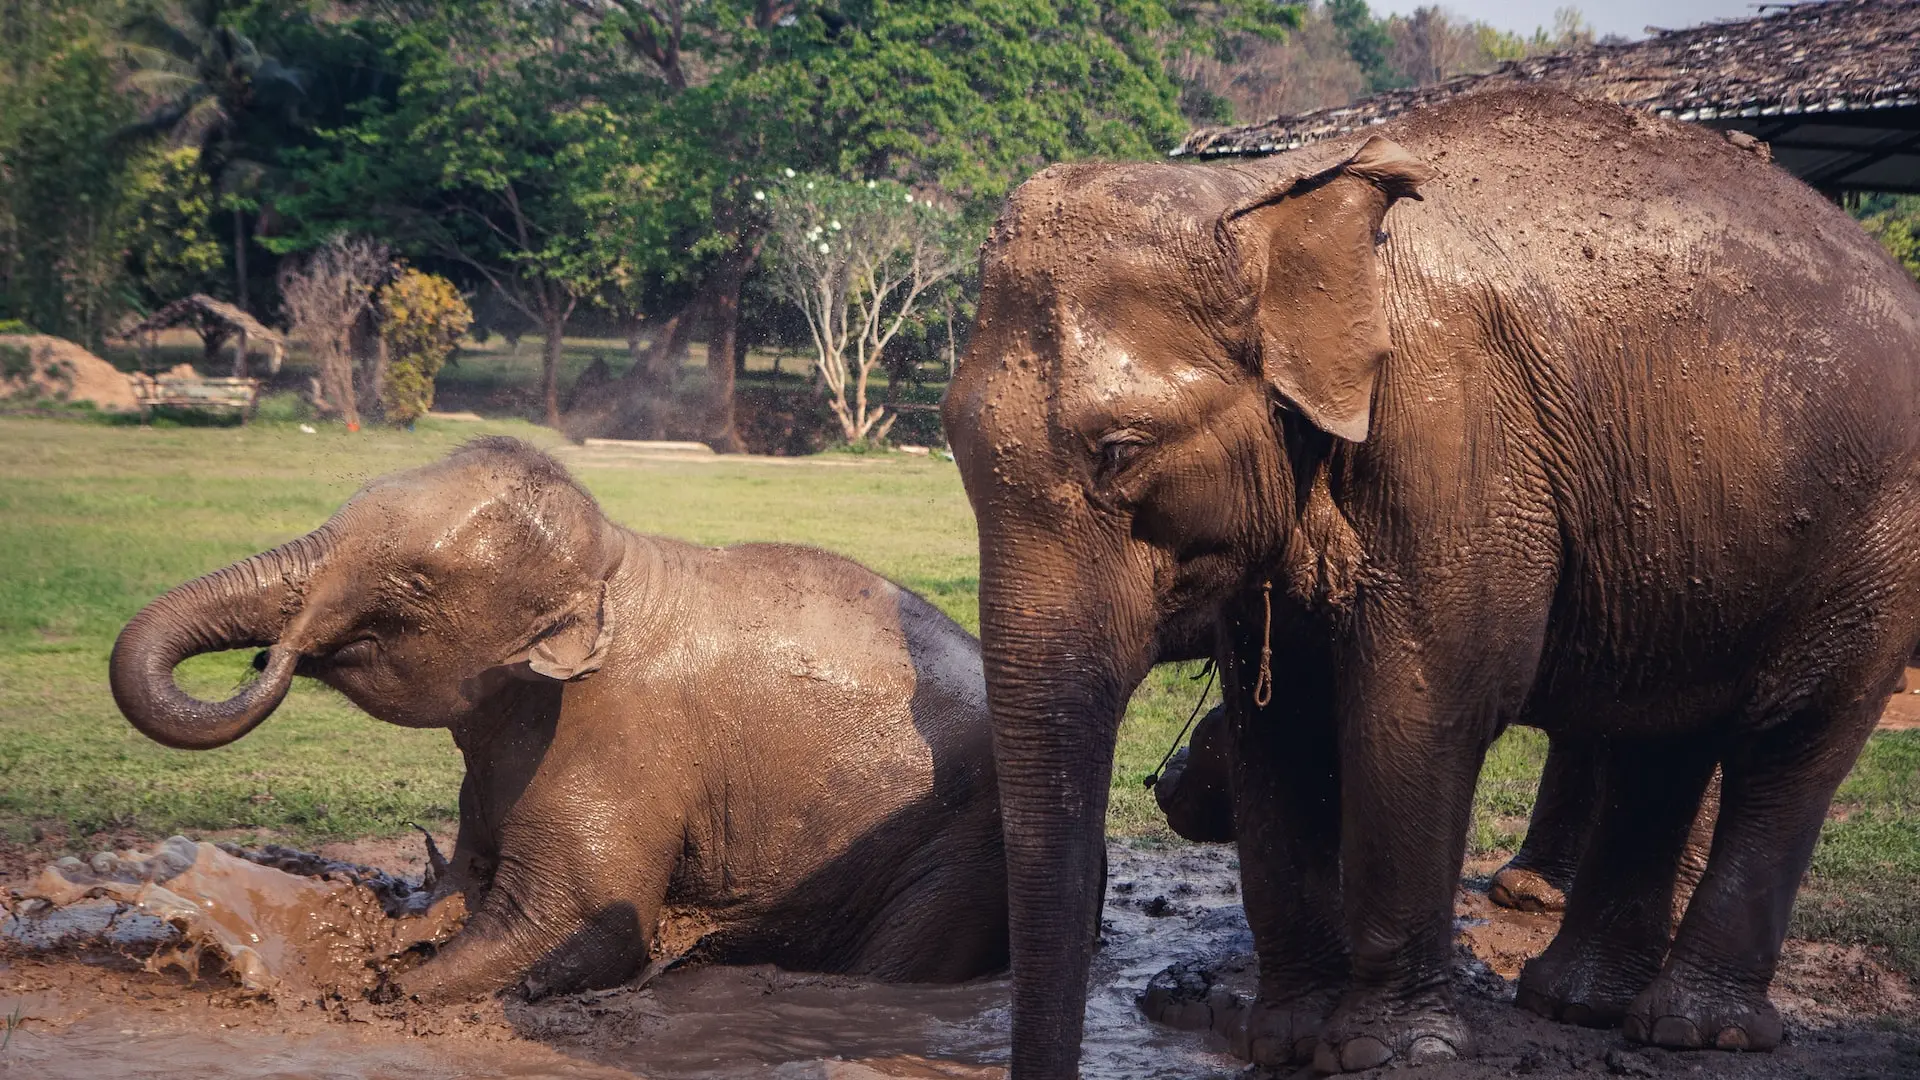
1903 709
91 1011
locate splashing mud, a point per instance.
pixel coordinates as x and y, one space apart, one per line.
148 966
189 905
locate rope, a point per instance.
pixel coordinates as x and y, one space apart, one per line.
1154 776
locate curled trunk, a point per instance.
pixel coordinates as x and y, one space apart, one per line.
245 605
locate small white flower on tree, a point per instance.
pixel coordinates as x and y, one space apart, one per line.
889 251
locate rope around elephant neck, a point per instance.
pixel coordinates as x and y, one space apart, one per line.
1263 686
1154 776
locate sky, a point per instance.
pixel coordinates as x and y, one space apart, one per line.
1629 18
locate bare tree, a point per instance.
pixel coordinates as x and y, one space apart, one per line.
325 294
858 261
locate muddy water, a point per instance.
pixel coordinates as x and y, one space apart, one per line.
739 1022
93 1012
89 1012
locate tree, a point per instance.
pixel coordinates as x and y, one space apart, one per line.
858 260
325 294
1894 220
495 156
198 75
170 251
421 319
965 98
1368 41
63 175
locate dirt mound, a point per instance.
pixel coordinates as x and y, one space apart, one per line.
37 367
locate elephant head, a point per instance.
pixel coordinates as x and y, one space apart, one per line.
416 600
1157 350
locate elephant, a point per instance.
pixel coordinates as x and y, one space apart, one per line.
768 743
1519 409
1195 793
1565 813
1195 789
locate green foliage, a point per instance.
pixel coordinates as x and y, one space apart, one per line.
62 169
171 249
16 361
421 317
1368 41
1894 220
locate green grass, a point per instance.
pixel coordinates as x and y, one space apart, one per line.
98 518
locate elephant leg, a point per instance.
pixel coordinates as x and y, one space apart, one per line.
1286 791
1564 812
1693 860
1416 723
1775 789
575 895
1619 915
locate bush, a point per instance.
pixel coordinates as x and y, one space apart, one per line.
422 318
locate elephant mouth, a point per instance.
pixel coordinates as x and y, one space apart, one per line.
356 653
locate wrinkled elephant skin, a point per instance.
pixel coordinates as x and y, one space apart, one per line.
1519 409
765 753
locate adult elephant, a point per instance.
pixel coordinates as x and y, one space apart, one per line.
767 747
1613 432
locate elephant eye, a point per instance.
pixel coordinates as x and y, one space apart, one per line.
1119 448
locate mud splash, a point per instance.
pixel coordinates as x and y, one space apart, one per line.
278 922
103 1008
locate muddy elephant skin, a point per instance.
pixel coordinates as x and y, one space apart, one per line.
766 747
1517 410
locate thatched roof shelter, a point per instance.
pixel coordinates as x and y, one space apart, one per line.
217 322
1833 87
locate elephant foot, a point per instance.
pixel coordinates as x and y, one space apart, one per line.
1521 889
1572 994
1185 996
1677 1017
1367 1033
1281 1033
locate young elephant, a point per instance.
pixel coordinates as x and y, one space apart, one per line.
770 739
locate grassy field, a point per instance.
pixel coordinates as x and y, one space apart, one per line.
96 519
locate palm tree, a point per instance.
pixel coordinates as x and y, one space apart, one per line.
200 77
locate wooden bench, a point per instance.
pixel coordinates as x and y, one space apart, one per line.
221 395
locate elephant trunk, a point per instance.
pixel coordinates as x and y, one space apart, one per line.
1056 688
242 606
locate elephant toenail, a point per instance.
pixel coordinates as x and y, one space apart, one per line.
1577 1015
1364 1052
1731 1038
1677 1032
1634 1028
1535 1002
1430 1050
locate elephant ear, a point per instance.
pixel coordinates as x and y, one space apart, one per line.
1310 246
577 643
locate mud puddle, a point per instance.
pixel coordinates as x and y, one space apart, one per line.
98 1005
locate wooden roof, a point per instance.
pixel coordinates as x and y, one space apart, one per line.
1833 87
203 312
